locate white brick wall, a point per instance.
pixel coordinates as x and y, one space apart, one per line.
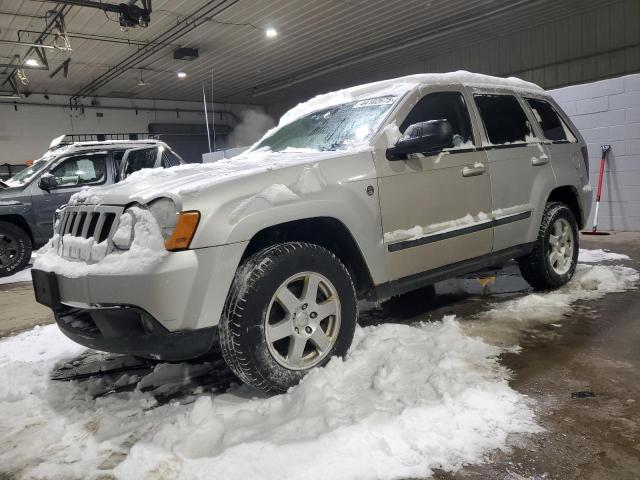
608 112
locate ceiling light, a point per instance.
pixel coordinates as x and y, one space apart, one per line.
271 32
182 75
31 62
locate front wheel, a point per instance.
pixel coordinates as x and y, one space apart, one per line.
15 249
552 262
291 308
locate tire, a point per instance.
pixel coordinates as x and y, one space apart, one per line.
15 249
537 267
257 302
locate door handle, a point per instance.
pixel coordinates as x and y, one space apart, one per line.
473 170
537 161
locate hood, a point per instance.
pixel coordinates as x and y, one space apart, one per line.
192 179
9 195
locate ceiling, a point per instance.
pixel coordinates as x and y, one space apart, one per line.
321 44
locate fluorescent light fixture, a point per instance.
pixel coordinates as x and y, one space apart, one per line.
271 32
182 75
31 62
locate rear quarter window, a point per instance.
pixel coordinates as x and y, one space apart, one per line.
504 119
552 125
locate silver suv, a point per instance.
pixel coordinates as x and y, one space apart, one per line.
369 192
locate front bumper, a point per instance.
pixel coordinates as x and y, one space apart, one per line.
186 291
133 331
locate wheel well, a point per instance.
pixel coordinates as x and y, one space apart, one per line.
18 221
569 196
324 231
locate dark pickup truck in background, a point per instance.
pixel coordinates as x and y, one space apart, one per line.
29 199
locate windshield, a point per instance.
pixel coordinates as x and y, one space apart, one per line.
27 174
341 127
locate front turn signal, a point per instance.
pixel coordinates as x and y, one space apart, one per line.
184 231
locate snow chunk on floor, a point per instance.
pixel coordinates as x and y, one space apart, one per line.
599 256
21 276
505 322
406 400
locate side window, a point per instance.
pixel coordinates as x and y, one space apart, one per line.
170 159
504 120
443 105
81 170
139 159
551 123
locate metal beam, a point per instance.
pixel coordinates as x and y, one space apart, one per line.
188 24
56 15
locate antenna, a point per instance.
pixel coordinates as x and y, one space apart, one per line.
206 116
213 113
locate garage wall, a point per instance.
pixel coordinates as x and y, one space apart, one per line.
608 112
27 129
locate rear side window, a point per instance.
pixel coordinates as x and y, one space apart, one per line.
550 122
443 105
504 119
170 159
139 159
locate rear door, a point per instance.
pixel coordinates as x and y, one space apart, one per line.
137 159
519 168
560 143
435 208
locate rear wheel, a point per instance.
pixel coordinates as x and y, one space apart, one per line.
291 308
553 260
15 249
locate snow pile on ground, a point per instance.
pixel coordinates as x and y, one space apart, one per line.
146 250
505 322
599 256
21 276
405 401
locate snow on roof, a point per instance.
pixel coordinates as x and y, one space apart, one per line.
401 85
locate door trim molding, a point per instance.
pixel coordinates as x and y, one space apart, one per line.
476 227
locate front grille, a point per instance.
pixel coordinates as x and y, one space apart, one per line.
80 223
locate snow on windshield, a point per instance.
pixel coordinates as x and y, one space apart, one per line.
341 127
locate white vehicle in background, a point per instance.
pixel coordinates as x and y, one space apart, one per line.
369 192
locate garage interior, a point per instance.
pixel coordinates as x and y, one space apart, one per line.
209 78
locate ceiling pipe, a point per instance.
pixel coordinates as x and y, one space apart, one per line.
25 44
400 45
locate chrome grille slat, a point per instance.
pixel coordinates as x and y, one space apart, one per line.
77 222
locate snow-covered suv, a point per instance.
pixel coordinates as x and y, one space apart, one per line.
368 192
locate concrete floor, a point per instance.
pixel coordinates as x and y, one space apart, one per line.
595 349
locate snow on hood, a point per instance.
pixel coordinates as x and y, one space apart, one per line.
190 179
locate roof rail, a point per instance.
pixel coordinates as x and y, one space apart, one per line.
105 137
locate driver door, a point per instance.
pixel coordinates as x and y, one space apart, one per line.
72 174
436 209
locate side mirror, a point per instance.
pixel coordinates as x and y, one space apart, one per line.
47 182
425 137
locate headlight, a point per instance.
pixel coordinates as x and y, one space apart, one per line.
165 213
177 229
